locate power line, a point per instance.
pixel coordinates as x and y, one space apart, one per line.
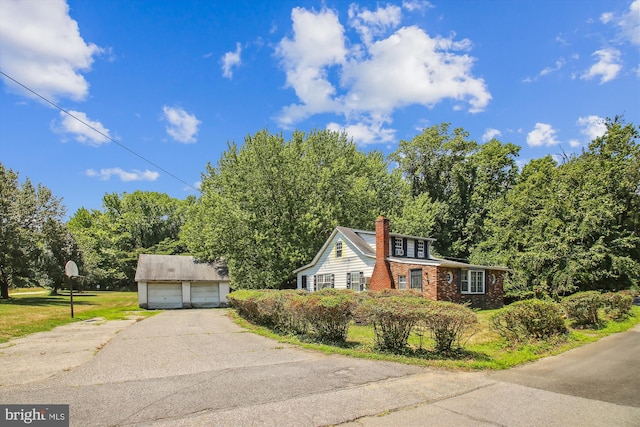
124 147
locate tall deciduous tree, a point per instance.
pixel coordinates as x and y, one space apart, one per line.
28 215
461 179
128 225
269 205
575 226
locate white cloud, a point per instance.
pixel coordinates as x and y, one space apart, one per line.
416 5
40 45
630 23
134 175
606 17
607 67
365 133
370 24
182 126
546 71
542 134
81 132
230 60
377 76
592 126
574 143
490 133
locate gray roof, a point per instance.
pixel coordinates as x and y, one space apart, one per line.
355 237
179 268
359 242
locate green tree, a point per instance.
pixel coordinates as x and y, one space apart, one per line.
461 179
129 224
574 226
27 215
269 205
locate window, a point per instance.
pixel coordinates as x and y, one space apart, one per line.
324 281
420 249
338 249
355 281
416 279
398 247
472 281
402 282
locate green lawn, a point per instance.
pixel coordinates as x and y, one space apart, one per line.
34 310
483 350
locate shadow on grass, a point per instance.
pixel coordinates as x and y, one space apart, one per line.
48 301
453 354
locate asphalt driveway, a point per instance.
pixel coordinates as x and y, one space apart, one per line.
196 367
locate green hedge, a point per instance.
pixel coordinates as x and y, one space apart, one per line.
617 305
393 317
449 323
329 313
582 308
529 319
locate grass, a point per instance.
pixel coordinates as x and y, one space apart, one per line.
34 310
484 350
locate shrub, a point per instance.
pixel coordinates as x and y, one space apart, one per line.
448 323
246 302
617 305
393 318
582 308
529 319
329 313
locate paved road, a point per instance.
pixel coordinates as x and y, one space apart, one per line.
195 367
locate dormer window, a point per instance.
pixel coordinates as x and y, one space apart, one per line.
420 248
338 249
398 246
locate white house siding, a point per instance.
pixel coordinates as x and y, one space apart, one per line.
328 263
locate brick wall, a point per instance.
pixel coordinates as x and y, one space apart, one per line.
381 276
429 277
435 285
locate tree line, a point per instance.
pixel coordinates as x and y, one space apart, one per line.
268 205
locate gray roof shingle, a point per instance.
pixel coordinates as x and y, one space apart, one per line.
179 268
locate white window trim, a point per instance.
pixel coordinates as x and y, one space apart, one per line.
420 251
400 282
339 249
466 274
324 280
398 250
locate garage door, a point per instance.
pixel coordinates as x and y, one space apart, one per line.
205 295
164 295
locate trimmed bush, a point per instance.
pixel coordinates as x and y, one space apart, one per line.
529 319
246 302
582 308
617 305
329 313
449 323
393 318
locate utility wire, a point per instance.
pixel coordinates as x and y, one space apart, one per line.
124 147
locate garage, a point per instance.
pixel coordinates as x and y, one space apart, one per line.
176 281
205 295
164 295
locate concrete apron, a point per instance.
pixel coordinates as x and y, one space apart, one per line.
44 354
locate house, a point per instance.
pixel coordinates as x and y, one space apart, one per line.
174 281
367 260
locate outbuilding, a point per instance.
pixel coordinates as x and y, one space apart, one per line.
175 281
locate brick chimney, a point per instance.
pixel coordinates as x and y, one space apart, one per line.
381 277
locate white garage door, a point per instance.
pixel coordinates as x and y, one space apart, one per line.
205 295
164 295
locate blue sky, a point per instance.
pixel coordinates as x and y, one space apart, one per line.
174 81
